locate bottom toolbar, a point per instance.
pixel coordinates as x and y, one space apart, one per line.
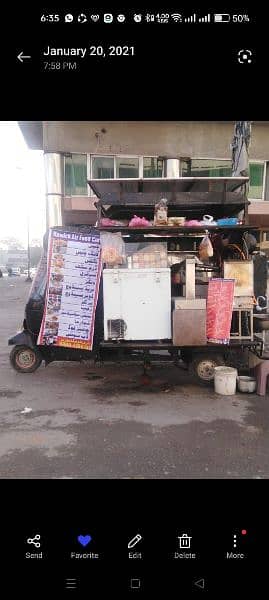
141 581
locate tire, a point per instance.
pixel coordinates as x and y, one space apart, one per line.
25 359
202 366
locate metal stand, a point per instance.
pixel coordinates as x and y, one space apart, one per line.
238 335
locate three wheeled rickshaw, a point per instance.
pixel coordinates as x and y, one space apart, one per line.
152 304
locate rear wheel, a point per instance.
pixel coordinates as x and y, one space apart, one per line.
25 359
203 365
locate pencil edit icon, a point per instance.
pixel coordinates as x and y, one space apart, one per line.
135 540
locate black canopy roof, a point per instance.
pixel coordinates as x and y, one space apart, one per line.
148 191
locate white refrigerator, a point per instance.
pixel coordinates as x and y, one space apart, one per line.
137 304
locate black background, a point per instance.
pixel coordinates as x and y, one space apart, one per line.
182 72
113 512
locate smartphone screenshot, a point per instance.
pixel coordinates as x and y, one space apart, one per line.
134 302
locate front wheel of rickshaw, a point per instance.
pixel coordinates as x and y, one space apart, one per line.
25 359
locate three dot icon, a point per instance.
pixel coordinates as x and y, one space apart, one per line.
243 532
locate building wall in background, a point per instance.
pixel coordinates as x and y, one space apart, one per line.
179 138
194 139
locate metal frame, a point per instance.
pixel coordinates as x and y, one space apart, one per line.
255 161
239 336
183 192
264 180
147 352
264 163
67 155
90 156
236 339
115 156
171 184
140 157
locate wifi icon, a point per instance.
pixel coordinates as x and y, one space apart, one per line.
176 17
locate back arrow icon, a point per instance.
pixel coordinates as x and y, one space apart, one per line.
200 583
21 56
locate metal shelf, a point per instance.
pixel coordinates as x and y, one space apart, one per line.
174 230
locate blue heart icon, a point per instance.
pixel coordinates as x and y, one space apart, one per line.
84 540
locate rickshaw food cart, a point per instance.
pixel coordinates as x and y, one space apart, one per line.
153 293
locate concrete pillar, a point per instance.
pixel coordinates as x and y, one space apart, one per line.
54 180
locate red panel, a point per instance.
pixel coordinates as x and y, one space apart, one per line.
219 310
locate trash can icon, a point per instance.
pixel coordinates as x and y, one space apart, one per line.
184 540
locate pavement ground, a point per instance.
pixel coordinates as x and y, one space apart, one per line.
106 422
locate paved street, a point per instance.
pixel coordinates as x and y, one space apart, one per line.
105 422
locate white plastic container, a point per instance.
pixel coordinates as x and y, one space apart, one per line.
246 384
225 380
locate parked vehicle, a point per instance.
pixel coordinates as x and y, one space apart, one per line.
126 309
14 272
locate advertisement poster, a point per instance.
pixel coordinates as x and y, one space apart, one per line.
73 277
220 299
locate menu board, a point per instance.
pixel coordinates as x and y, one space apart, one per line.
73 277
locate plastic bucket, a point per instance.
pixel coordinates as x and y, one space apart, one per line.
246 384
225 380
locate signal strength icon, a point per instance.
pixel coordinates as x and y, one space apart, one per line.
176 17
205 19
191 19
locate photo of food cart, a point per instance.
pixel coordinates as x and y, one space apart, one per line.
180 279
